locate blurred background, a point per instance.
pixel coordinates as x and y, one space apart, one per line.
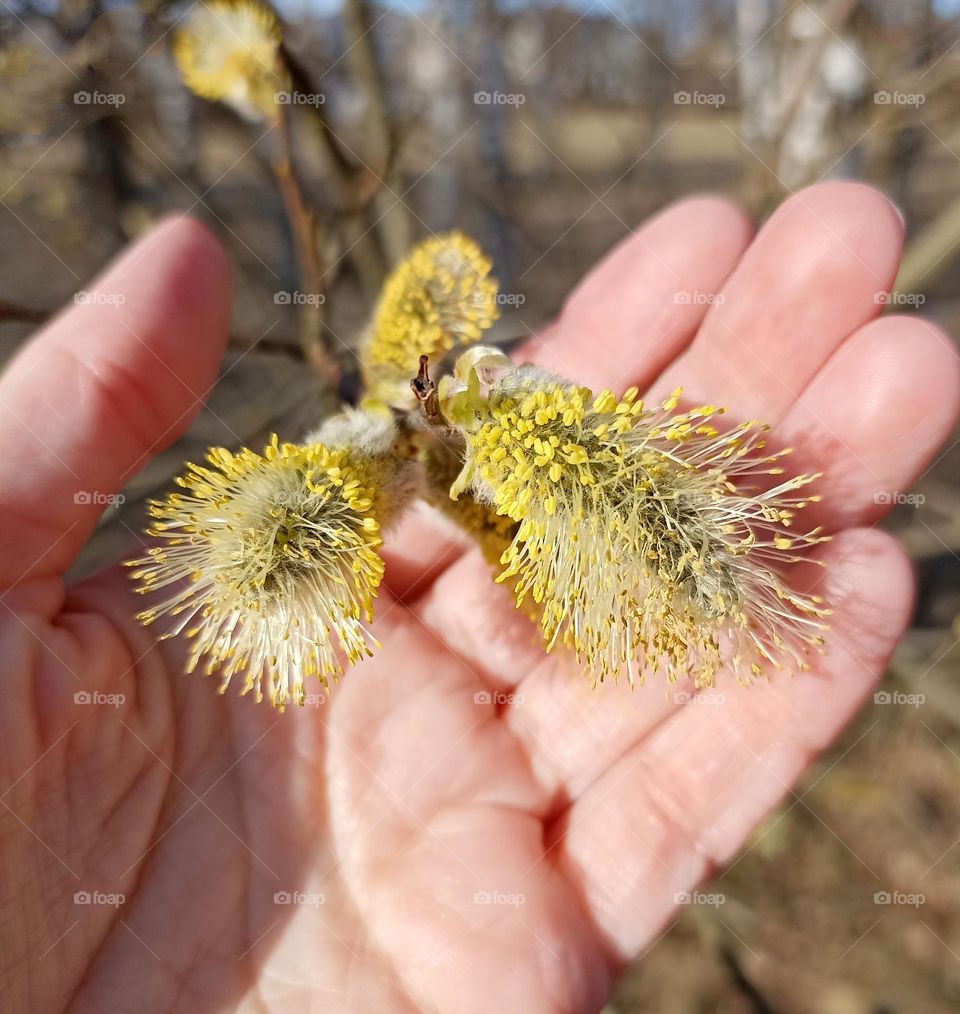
548 131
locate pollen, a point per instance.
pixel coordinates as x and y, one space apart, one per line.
270 564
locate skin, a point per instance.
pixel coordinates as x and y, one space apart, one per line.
581 813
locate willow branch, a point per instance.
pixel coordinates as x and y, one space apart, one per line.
354 189
303 225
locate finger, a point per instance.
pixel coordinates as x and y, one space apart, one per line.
813 275
602 724
418 550
108 384
873 417
631 314
684 800
478 621
642 304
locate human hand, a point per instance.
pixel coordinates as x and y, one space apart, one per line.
464 824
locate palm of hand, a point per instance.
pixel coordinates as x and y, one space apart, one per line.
464 824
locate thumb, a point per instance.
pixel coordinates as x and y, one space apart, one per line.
104 387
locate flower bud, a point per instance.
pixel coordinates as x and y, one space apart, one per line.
441 295
271 561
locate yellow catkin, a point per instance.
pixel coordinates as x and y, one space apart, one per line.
271 563
439 296
229 51
640 535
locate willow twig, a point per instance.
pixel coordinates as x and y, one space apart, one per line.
302 221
